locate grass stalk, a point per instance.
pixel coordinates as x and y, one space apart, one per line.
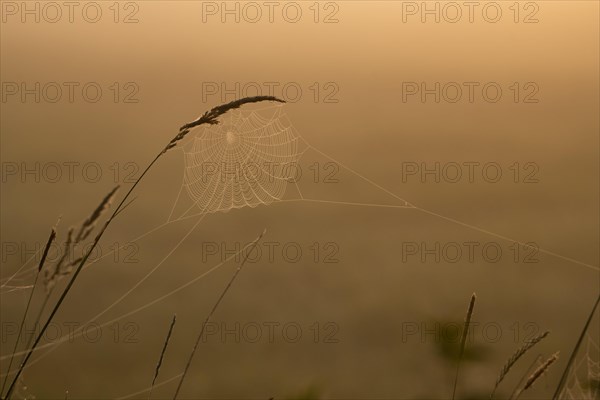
37 275
565 374
210 118
537 374
463 341
520 352
201 334
162 355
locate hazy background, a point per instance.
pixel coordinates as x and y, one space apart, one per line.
370 296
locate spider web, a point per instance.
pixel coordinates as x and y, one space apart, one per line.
245 161
584 378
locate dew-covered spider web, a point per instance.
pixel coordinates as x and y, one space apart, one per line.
583 382
245 161
251 158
